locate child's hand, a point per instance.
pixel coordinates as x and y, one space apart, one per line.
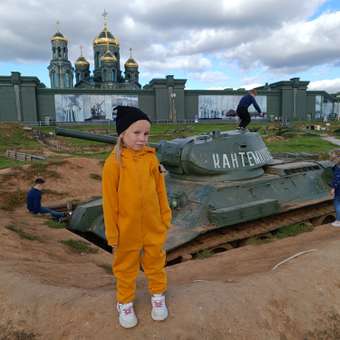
332 192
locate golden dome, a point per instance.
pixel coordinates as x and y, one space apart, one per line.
131 63
82 62
105 37
58 36
108 57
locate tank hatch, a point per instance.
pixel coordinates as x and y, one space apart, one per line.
231 155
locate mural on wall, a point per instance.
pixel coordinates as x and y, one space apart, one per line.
326 109
224 107
82 108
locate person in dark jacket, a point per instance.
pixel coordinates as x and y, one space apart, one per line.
33 201
242 108
335 185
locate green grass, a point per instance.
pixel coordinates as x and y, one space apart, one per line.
261 239
78 246
55 224
293 230
23 234
287 231
75 142
101 155
9 163
13 136
203 254
312 144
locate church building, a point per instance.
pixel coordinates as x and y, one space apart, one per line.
106 74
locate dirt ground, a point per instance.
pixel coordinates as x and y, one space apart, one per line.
49 292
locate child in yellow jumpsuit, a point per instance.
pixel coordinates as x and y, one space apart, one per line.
136 214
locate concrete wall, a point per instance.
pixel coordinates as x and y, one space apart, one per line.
18 98
8 110
26 99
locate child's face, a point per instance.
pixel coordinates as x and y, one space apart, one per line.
136 136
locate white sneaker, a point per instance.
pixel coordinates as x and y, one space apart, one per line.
336 224
159 310
127 316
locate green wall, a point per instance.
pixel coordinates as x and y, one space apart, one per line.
26 99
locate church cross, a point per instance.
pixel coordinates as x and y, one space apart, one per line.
105 18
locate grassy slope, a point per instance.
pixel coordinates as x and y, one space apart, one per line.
12 136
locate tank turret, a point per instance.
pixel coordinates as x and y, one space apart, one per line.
220 155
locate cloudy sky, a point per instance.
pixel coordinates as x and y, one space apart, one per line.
214 44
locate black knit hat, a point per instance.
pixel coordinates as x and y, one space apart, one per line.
127 115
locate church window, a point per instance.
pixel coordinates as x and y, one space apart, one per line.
53 79
59 52
97 60
66 80
113 75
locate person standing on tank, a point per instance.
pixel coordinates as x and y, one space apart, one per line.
242 108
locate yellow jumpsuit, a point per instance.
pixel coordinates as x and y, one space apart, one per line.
137 217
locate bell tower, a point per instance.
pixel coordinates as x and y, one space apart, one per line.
60 68
131 71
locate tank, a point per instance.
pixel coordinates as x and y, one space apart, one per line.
218 180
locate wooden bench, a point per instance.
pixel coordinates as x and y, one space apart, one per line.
24 157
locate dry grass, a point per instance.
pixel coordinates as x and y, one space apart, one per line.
9 201
78 246
96 177
23 234
107 268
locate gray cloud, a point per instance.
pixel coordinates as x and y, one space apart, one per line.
329 85
231 14
294 47
177 35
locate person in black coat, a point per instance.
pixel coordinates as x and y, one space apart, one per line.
242 108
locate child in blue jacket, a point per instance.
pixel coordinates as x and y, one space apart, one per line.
335 157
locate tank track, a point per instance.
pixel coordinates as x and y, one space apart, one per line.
221 238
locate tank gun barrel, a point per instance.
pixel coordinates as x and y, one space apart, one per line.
86 135
108 139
